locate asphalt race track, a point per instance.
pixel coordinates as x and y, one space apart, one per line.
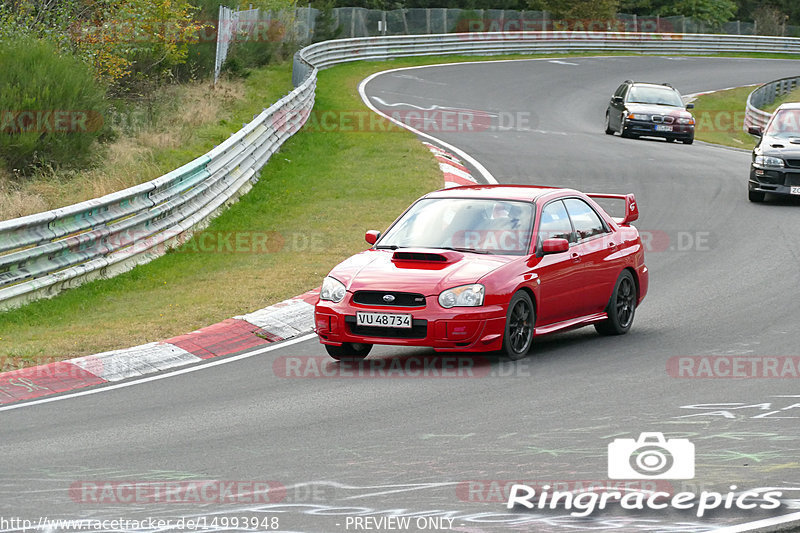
724 278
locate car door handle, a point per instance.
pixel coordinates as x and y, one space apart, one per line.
576 257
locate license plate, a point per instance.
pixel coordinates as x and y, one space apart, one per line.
794 190
384 320
661 127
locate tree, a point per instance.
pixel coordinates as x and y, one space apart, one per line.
577 9
117 37
325 27
712 12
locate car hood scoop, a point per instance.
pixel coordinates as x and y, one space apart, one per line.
426 256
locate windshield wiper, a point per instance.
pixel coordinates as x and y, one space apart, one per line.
470 250
654 103
387 247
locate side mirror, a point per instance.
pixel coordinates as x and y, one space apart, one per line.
372 236
555 246
616 99
755 130
689 106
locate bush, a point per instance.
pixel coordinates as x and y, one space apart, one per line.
51 107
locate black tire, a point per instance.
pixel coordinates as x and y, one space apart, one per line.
609 129
348 351
520 320
670 139
690 140
621 308
755 196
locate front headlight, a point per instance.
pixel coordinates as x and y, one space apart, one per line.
332 290
463 296
766 161
685 121
638 116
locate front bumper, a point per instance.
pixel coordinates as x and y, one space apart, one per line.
464 329
646 128
773 180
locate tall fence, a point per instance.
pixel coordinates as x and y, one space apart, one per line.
361 22
300 25
44 253
754 115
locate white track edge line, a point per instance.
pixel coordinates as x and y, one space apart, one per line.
464 155
186 370
758 524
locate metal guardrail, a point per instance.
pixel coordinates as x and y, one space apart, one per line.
44 253
328 53
754 115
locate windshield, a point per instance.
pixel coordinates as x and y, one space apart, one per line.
654 95
477 225
785 123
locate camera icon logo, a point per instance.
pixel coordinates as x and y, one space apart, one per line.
651 457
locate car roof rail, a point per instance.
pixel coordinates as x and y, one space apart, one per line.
668 85
628 81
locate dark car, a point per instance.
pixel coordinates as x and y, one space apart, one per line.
649 110
776 158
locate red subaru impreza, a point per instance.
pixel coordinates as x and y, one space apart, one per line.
485 268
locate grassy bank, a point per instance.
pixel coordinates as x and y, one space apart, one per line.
720 116
171 128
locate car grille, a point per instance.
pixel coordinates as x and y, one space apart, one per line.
794 163
418 330
400 299
662 119
792 180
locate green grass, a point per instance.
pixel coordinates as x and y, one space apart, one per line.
720 116
792 96
317 195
